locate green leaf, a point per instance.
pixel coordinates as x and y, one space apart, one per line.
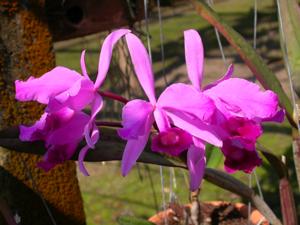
278 166
255 63
290 15
214 157
128 220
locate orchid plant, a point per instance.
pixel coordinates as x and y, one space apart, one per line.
226 113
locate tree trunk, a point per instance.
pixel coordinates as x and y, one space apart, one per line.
25 190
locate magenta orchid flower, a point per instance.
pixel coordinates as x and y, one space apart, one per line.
54 129
66 93
182 115
241 105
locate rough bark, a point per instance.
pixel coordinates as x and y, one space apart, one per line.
26 50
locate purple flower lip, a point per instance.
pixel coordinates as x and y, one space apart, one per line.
169 138
173 141
240 155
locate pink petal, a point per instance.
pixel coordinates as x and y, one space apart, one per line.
35 132
106 54
77 97
278 117
93 140
194 57
97 104
83 66
134 116
196 128
56 155
50 84
242 98
196 162
142 65
62 131
133 149
161 120
69 132
135 146
81 157
226 76
187 99
47 124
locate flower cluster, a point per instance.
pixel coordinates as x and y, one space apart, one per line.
226 113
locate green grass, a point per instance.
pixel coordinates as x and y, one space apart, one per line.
106 194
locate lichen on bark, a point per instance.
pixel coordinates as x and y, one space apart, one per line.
26 50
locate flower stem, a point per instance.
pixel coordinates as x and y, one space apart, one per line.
114 96
108 124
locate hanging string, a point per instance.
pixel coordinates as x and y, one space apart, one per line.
173 185
163 192
30 176
147 168
255 24
150 54
147 28
258 185
254 46
249 203
289 72
161 37
287 63
210 3
254 171
162 50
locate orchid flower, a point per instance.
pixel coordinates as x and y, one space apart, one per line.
241 105
182 115
66 93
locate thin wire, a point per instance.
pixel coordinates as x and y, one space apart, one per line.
287 63
30 176
249 203
152 187
162 50
258 185
147 28
289 70
161 37
163 191
255 24
250 175
150 55
210 3
254 46
174 178
173 184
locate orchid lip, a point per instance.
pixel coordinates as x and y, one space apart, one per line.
170 138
